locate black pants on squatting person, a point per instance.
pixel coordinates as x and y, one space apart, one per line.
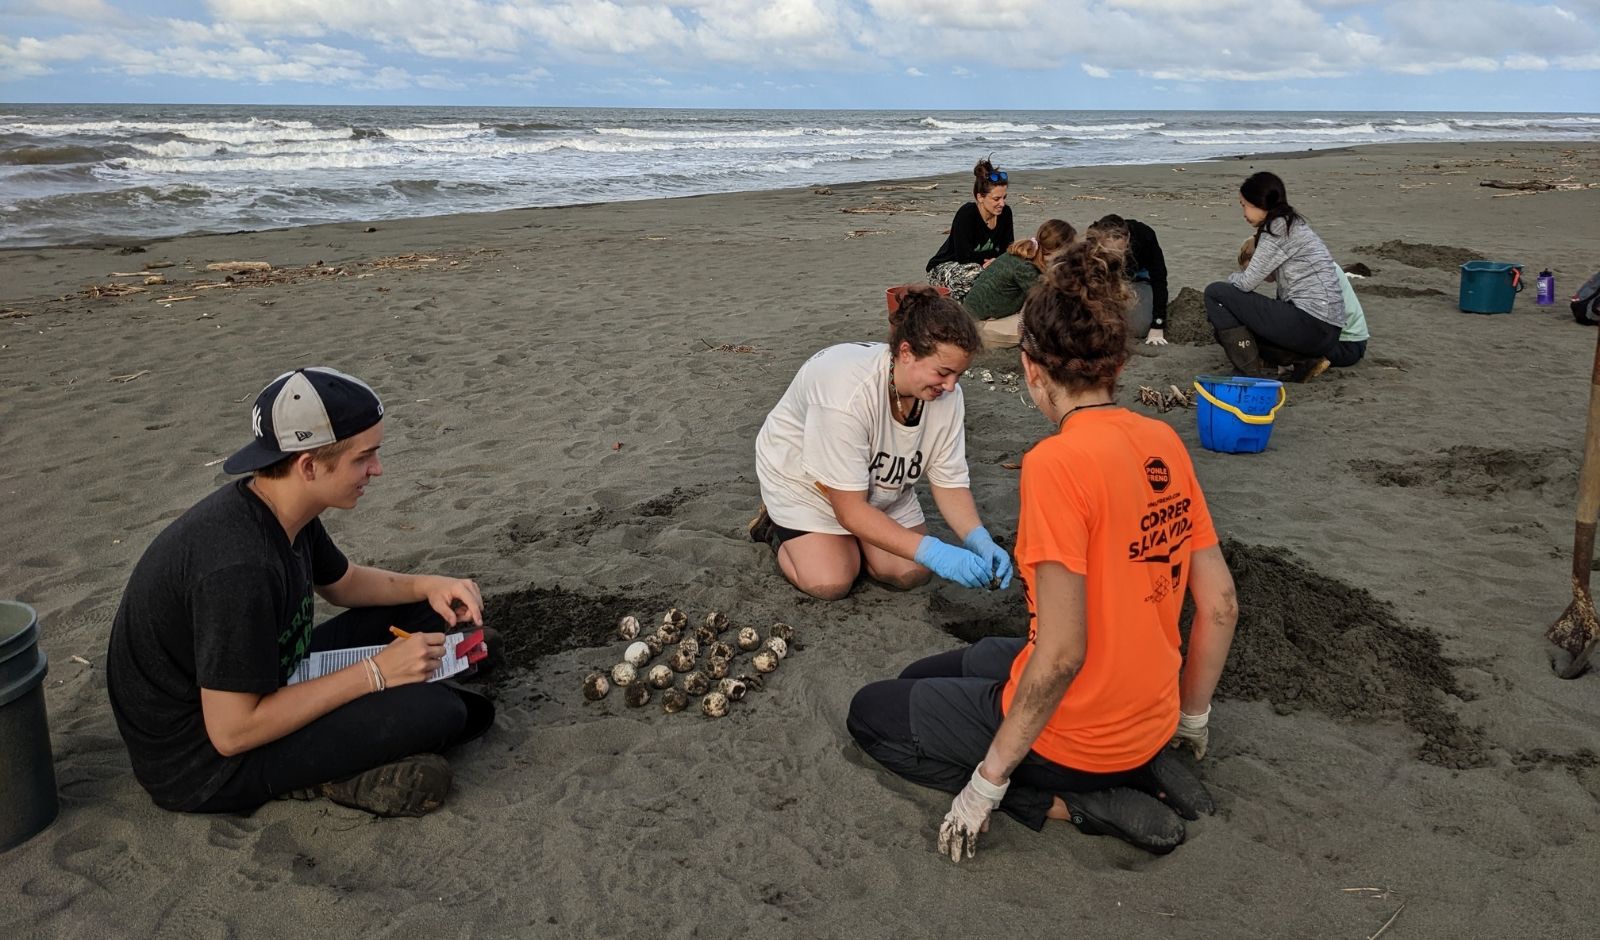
375 729
935 723
1273 323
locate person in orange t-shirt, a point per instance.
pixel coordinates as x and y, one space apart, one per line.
1075 721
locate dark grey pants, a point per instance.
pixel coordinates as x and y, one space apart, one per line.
1272 322
373 730
934 724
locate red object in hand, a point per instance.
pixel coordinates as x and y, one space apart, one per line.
472 647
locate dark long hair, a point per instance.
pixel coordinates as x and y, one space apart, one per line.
1266 191
926 318
1074 319
981 183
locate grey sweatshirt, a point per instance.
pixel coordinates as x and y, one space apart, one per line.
1308 277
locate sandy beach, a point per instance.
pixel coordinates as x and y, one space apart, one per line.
572 396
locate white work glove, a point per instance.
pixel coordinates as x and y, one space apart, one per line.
1156 338
1192 731
969 815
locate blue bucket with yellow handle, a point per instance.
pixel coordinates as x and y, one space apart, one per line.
1236 413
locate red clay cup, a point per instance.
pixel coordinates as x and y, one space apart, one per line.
892 295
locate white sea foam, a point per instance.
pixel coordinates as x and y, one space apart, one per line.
982 127
169 170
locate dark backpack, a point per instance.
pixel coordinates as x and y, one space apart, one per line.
1586 302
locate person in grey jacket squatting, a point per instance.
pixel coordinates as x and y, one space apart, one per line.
1307 315
217 618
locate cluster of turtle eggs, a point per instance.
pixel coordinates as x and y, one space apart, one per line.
683 676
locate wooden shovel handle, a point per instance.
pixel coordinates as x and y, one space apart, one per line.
1588 482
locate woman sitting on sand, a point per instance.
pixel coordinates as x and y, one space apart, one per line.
997 294
1074 722
840 455
1349 350
980 231
1308 313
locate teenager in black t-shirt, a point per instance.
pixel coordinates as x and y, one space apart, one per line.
980 233
218 613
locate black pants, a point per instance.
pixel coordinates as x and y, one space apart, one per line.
1347 353
375 729
1272 322
934 724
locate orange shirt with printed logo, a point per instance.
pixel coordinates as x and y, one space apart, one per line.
1113 497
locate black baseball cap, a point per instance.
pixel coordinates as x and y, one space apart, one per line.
303 410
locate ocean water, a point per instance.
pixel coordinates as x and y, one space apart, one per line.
82 173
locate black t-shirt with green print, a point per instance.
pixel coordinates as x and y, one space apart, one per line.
220 600
972 242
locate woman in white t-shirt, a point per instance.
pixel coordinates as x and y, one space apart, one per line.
839 455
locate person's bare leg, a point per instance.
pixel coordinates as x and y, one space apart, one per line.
893 570
820 564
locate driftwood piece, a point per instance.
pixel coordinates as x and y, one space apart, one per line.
238 266
1534 185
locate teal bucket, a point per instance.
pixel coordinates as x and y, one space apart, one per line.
1489 286
1235 414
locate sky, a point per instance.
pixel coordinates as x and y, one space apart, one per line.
1451 55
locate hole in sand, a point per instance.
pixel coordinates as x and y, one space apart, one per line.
1397 290
1308 641
535 622
1482 472
1304 641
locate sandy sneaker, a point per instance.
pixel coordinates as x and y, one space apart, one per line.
1136 818
412 786
760 528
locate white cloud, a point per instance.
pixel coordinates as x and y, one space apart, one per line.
1257 41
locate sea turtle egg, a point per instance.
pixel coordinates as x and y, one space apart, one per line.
777 646
623 674
637 653
749 639
696 683
783 632
595 686
659 676
717 621
720 650
764 661
716 667
628 627
675 617
636 695
732 688
673 700
714 705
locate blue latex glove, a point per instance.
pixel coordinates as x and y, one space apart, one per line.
953 563
979 543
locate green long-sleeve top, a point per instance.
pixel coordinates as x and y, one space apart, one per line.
1000 287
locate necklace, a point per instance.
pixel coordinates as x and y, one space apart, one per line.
894 400
1099 404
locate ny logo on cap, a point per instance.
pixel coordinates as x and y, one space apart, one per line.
255 420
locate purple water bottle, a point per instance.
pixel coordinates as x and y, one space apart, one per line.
1547 289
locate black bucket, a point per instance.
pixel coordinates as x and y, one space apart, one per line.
27 775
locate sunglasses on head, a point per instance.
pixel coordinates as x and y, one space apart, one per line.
997 176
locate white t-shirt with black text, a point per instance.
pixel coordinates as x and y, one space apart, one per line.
835 426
